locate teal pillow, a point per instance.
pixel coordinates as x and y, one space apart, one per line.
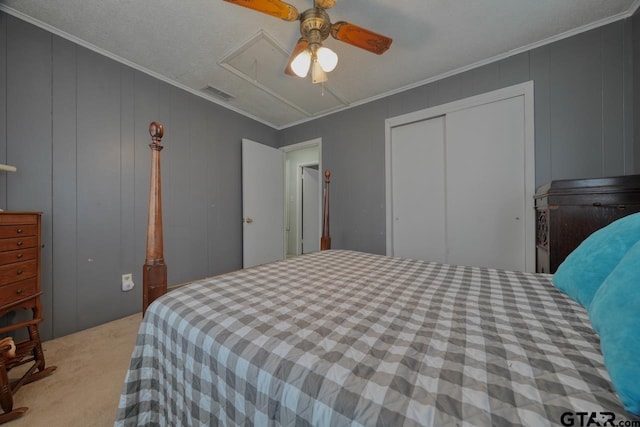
584 270
615 316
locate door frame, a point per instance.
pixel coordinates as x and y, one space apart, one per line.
522 89
316 142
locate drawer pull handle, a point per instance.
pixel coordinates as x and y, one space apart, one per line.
20 230
20 271
20 243
19 291
20 255
619 207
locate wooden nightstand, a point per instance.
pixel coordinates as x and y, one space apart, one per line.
20 244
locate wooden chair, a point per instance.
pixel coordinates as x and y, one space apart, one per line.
12 355
7 351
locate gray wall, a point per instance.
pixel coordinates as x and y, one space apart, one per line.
75 124
584 124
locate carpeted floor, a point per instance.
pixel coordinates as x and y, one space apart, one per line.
84 390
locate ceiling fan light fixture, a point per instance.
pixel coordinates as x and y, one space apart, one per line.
327 58
315 27
301 63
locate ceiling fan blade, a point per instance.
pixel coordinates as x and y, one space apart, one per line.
276 8
326 4
360 37
300 46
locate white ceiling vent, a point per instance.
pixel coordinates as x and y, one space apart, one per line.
220 94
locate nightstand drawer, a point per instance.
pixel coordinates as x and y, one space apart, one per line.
18 243
17 291
18 230
17 256
18 271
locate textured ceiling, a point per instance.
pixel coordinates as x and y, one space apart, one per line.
196 44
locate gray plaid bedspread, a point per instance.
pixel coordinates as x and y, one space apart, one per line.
341 338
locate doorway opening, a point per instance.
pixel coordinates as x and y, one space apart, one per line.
309 209
303 197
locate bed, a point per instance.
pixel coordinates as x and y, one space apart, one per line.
338 337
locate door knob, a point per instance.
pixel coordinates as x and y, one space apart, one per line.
249 220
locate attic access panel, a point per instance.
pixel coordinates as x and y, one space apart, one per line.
261 61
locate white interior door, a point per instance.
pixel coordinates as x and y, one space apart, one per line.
418 190
262 203
310 209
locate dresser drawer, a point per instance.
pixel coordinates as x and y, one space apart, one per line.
18 243
18 271
12 218
17 256
19 230
17 291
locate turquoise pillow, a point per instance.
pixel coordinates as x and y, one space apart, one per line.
583 271
615 316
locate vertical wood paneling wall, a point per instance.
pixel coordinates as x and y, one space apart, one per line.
75 123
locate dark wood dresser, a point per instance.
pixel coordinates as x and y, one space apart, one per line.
568 211
20 244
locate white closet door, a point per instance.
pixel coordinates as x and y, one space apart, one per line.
486 185
418 190
465 195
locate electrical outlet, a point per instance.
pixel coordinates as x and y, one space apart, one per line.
127 282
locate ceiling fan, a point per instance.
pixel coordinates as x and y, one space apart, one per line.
315 27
